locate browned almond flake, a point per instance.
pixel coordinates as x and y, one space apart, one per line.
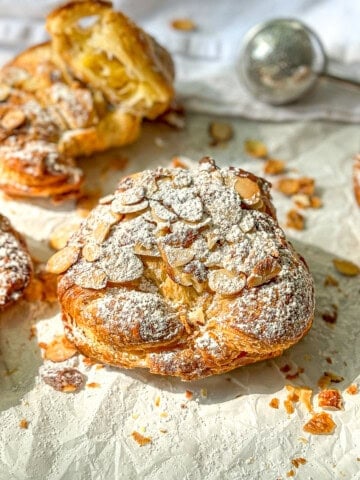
320 424
290 473
140 439
292 186
330 399
274 403
93 385
13 119
273 166
23 423
295 220
330 281
255 148
330 316
323 382
352 389
302 394
60 349
346 268
62 260
315 202
184 24
298 461
220 132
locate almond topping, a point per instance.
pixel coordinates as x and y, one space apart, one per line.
100 232
60 349
118 207
330 399
4 92
131 196
184 24
91 252
226 283
274 167
295 220
320 424
346 268
177 257
95 279
263 272
255 149
220 132
61 234
291 186
246 188
13 119
63 260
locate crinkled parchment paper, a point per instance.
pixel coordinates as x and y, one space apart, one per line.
230 432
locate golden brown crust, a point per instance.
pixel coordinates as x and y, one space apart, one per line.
48 116
184 272
356 178
15 264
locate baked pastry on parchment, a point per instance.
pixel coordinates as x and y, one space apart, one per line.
184 272
15 264
53 110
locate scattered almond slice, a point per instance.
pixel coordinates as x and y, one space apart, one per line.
177 257
13 119
273 166
292 186
220 132
4 92
131 196
100 232
255 148
320 424
315 202
295 220
346 268
96 279
60 349
226 283
91 252
140 439
298 461
246 188
330 281
63 260
330 399
184 24
125 267
263 272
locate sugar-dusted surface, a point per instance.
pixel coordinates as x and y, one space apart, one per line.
229 432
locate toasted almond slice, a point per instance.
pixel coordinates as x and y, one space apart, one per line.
161 213
60 349
220 132
182 179
149 252
131 196
295 220
226 283
274 166
177 257
107 199
315 202
13 119
184 24
346 268
301 200
255 149
95 279
246 188
61 234
63 260
247 222
91 252
100 232
288 186
4 92
118 207
264 271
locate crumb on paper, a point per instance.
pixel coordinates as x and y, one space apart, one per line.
255 148
328 360
345 267
183 405
93 385
157 401
140 439
33 332
330 281
164 414
302 394
60 349
203 393
330 314
320 424
163 430
285 368
220 132
298 461
352 389
334 377
289 406
292 186
67 380
23 423
189 394
330 399
293 376
88 361
184 24
290 473
273 166
100 366
295 220
274 403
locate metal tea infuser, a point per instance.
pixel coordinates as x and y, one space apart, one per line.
281 60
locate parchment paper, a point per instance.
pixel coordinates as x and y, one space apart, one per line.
231 432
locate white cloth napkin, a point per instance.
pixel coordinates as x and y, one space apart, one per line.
205 59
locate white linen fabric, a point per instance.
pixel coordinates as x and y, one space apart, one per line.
205 59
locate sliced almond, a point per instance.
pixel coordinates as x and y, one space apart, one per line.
288 186
100 232
184 24
226 283
315 202
118 207
220 132
124 267
161 213
131 196
91 252
107 199
63 260
255 148
4 92
274 167
346 268
94 278
13 119
61 234
301 200
246 188
295 220
60 349
247 222
263 272
149 252
177 257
